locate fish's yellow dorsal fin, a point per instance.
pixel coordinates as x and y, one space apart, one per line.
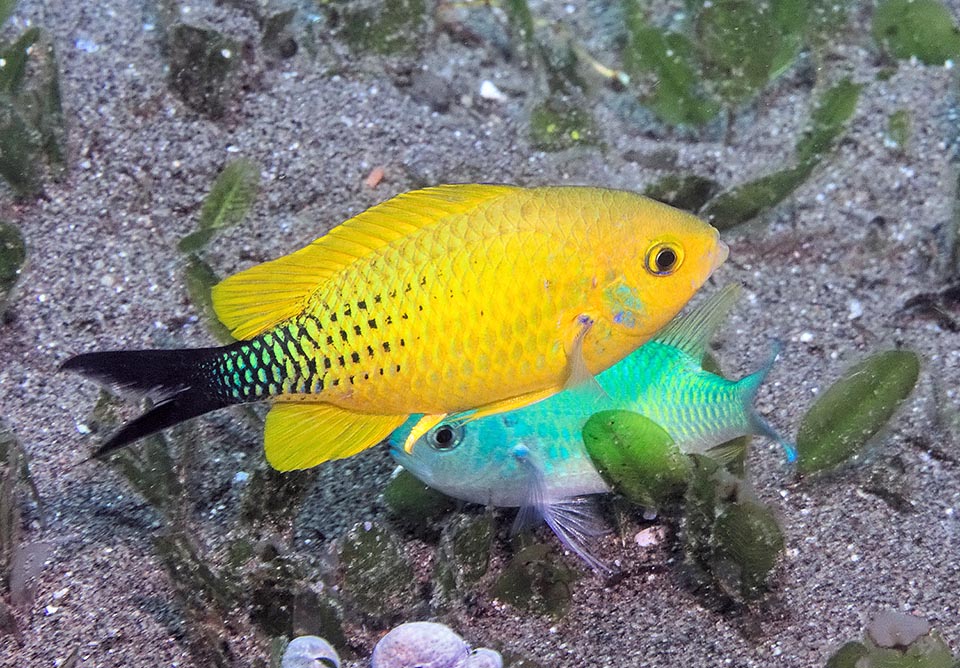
255 300
301 435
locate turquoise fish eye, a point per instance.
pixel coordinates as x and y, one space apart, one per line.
445 437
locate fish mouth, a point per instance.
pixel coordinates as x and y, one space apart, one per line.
720 254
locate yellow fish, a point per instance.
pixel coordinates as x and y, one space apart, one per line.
479 298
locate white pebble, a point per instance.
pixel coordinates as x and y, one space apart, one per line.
489 91
806 337
856 309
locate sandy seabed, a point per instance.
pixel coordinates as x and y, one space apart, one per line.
826 272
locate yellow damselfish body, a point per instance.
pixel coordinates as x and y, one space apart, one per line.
457 298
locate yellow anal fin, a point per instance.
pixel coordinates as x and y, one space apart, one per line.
426 423
255 300
302 435
511 404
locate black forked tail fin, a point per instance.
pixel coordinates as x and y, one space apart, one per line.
174 379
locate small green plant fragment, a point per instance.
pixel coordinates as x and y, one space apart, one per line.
917 28
669 58
746 202
377 577
830 115
203 66
227 203
898 129
200 279
13 254
684 191
384 26
636 457
738 43
319 615
747 541
536 581
851 411
556 125
464 553
414 502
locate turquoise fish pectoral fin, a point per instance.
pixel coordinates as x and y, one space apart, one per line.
748 386
574 520
579 377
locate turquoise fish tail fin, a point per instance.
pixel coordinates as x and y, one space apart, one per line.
574 521
749 386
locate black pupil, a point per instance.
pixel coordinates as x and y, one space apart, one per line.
666 258
444 437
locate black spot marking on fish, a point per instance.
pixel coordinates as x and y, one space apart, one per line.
342 361
346 310
326 363
408 288
357 330
386 346
333 316
355 356
402 343
362 305
335 383
311 367
370 350
381 371
398 368
343 335
419 307
376 299
389 320
405 316
366 376
372 324
392 294
423 280
351 380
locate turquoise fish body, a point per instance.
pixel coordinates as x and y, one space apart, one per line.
534 457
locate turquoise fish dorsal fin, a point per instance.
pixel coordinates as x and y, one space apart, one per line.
691 332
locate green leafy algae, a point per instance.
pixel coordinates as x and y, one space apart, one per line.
13 71
747 201
896 640
203 65
200 279
414 502
556 125
7 7
636 457
536 581
920 28
13 255
670 57
376 577
738 43
227 203
851 411
684 191
747 541
830 114
848 655
521 27
384 26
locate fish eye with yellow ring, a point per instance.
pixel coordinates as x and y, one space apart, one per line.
664 258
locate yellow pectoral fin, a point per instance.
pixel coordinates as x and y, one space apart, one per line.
426 423
301 435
